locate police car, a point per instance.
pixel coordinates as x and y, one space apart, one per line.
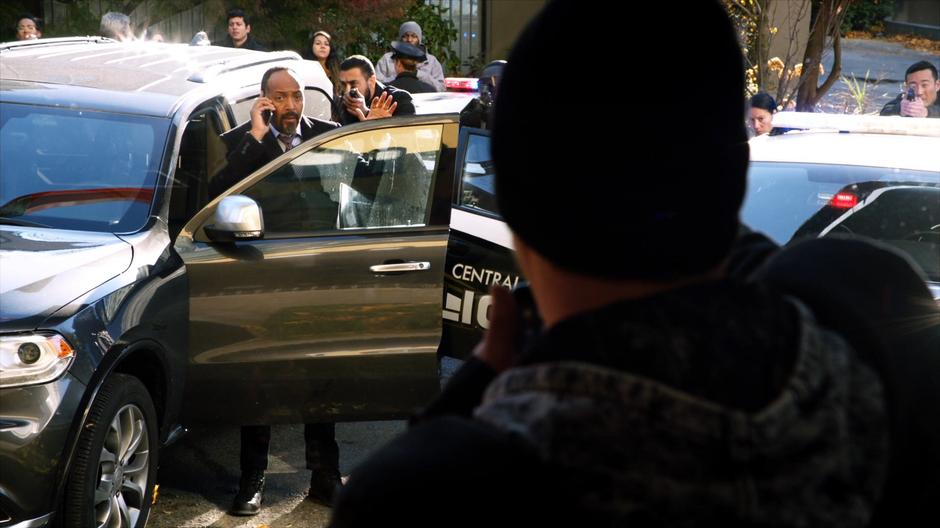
866 176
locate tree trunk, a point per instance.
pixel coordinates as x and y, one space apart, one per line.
828 20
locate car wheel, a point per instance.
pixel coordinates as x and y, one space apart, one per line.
111 481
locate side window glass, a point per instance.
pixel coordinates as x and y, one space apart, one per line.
317 104
242 110
201 156
476 183
368 180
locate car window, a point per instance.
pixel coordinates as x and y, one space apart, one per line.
75 169
316 104
477 190
901 208
373 179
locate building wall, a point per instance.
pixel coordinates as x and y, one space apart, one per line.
925 12
505 19
791 18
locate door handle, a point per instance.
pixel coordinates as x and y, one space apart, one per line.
399 267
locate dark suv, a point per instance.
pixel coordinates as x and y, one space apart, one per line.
322 287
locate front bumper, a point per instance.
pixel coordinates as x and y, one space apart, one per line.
35 422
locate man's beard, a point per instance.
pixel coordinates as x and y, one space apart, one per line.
285 129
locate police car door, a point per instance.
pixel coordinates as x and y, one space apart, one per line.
479 253
335 312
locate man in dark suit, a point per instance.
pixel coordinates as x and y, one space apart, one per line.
250 146
259 141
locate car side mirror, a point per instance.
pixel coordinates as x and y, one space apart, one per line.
235 218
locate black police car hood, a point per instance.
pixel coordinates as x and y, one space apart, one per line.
42 270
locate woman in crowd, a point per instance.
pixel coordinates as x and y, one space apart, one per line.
761 113
321 50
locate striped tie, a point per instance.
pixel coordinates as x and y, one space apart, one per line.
287 140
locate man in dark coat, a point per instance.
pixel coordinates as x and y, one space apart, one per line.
256 142
662 391
239 32
406 58
359 88
250 146
921 82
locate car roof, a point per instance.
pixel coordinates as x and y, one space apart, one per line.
441 102
870 141
139 77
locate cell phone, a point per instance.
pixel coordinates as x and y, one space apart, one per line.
266 115
910 94
529 321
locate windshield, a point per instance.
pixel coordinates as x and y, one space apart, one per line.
790 201
76 169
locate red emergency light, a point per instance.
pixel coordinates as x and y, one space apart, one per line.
844 200
460 84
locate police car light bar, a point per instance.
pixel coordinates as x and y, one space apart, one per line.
896 125
461 84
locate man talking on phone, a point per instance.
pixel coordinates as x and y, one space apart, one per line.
277 125
920 93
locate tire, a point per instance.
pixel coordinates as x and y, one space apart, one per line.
118 444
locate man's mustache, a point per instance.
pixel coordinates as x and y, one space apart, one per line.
290 114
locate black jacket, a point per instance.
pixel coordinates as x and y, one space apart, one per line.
250 43
727 403
405 106
893 107
409 82
246 154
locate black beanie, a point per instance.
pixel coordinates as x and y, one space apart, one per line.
622 153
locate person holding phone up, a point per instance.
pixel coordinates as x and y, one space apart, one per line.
920 99
661 389
358 86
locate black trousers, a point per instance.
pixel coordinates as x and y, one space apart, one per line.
321 452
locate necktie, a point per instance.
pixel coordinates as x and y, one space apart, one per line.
287 140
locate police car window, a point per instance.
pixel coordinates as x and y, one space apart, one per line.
368 180
477 185
316 104
901 208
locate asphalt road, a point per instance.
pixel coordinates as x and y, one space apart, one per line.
199 476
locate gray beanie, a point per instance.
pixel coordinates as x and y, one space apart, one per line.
411 27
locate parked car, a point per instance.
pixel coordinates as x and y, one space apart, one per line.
132 304
866 176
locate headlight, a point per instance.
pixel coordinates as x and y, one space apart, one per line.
32 359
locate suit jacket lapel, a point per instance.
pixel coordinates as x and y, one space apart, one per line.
271 145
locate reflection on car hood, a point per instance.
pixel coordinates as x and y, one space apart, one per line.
42 270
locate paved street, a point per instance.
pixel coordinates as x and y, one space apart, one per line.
885 63
199 476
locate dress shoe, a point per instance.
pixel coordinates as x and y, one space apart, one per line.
323 486
250 492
